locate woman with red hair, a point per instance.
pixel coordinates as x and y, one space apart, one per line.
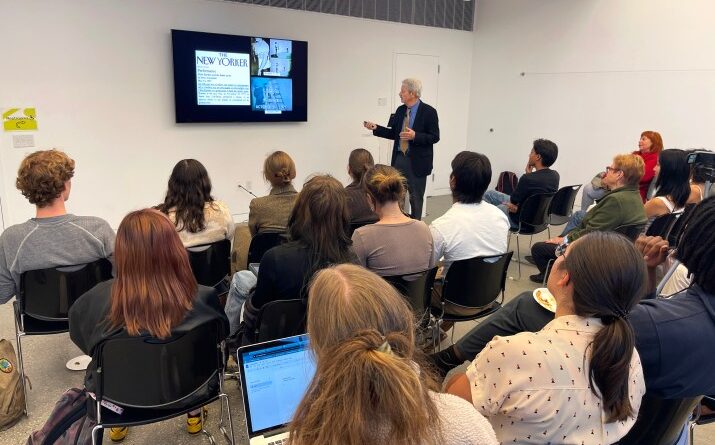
650 145
154 294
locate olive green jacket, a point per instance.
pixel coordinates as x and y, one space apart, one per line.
620 207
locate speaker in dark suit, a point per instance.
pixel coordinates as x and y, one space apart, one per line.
415 129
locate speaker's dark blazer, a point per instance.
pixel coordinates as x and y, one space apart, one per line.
426 127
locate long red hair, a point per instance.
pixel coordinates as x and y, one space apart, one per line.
154 286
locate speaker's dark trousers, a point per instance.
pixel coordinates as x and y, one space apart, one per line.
415 184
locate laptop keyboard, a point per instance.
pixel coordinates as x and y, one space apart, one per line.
279 441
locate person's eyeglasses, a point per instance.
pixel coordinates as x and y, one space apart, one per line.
561 250
611 169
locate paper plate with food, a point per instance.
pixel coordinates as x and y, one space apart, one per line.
545 299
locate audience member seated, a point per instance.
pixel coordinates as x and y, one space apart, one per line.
673 190
369 386
53 237
471 227
360 161
396 244
537 178
198 217
318 232
579 378
154 294
270 213
650 145
698 177
674 354
620 206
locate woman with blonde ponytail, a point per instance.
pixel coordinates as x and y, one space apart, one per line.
579 379
396 244
369 387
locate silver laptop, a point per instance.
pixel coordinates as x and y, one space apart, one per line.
274 378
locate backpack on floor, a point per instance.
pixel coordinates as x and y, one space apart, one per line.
68 423
12 397
507 182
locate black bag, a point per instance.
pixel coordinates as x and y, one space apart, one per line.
507 182
68 423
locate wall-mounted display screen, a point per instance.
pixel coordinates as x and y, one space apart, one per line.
229 78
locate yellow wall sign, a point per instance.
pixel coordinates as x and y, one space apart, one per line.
19 119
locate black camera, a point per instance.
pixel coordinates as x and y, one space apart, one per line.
702 157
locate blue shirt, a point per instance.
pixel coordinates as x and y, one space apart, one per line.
413 113
674 338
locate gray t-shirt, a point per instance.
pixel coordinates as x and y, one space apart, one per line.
394 249
41 243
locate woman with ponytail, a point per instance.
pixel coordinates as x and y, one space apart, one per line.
359 162
396 244
368 386
579 379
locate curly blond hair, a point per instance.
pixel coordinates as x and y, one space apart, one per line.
42 176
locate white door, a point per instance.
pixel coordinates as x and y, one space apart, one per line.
426 69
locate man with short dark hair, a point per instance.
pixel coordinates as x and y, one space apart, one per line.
54 237
537 178
471 227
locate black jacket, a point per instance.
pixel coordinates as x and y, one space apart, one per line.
426 127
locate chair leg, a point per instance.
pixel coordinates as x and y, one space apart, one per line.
97 429
20 363
229 436
203 427
546 272
548 231
518 256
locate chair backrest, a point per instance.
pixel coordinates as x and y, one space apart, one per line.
562 204
630 231
261 243
660 421
210 262
279 319
677 230
357 224
416 288
147 372
662 224
534 213
506 183
476 282
48 294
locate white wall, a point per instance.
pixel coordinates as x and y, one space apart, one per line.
99 73
597 73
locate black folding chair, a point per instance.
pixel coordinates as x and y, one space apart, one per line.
660 421
472 284
45 298
677 230
354 225
261 243
630 231
662 225
561 207
700 418
533 219
163 379
416 288
211 263
279 319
